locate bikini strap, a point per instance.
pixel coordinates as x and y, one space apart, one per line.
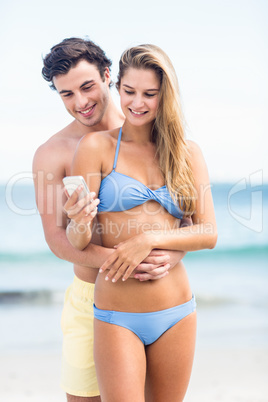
117 148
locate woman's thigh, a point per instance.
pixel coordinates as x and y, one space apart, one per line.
120 363
169 362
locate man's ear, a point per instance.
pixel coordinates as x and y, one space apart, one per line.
107 75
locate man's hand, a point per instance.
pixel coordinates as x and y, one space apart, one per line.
157 264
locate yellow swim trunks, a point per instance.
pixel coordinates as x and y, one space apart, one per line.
78 376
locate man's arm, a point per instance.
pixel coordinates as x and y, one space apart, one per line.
48 172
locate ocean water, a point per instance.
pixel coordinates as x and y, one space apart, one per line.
230 282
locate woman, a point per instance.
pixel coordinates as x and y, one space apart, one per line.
147 177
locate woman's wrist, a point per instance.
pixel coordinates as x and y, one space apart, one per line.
79 228
150 239
79 234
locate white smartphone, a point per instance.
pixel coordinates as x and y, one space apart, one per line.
72 182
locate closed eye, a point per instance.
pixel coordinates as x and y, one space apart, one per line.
87 88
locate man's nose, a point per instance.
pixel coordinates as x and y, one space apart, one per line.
81 101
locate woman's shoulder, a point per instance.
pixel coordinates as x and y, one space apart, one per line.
196 156
97 148
193 146
99 139
194 149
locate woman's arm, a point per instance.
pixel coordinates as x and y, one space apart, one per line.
146 271
87 163
202 235
81 214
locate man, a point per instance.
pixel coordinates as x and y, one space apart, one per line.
80 72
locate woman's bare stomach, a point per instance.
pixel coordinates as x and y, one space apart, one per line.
133 295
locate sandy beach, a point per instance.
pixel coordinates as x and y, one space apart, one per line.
218 376
229 375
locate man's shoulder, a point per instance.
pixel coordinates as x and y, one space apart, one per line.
58 141
58 150
51 147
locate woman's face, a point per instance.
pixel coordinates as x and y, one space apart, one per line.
139 93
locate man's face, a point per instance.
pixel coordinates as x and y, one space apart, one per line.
84 93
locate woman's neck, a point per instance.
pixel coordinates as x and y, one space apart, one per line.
138 134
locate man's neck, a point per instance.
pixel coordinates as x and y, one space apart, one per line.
112 119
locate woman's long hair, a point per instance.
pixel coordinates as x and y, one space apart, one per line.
168 130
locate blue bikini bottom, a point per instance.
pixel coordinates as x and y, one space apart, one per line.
147 326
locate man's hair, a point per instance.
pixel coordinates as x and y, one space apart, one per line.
68 53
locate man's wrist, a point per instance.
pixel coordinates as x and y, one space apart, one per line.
97 253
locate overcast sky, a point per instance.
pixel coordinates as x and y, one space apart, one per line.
218 48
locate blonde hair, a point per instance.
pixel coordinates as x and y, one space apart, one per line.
168 130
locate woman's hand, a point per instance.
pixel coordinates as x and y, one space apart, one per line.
81 212
127 256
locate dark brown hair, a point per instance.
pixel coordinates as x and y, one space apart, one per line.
68 53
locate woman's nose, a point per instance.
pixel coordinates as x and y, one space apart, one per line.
138 102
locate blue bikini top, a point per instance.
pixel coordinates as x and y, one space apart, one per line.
119 192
